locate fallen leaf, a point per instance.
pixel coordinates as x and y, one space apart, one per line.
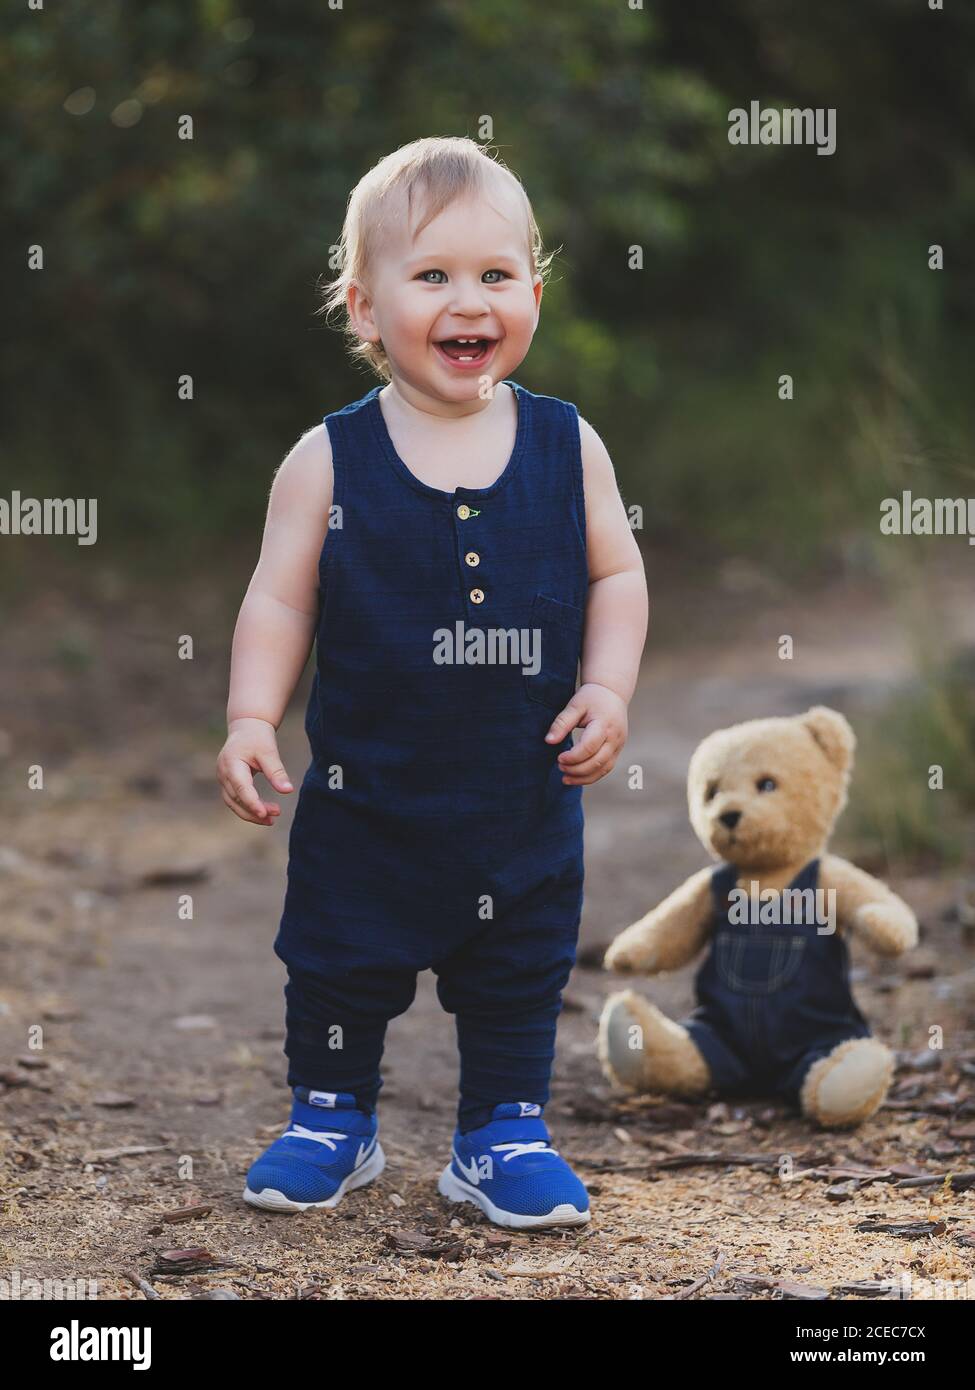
189 1261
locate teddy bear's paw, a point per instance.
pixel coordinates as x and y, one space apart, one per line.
889 928
641 1049
628 955
618 960
620 1043
848 1086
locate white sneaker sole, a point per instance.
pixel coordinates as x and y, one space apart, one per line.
270 1199
451 1187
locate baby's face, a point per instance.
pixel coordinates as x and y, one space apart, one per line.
467 275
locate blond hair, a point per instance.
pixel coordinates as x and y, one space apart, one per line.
441 168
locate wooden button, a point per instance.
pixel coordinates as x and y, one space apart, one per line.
477 596
463 511
472 557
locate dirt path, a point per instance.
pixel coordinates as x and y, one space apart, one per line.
165 1033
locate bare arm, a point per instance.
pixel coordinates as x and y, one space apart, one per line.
276 626
618 608
616 624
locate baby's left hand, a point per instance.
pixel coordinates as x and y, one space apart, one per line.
602 714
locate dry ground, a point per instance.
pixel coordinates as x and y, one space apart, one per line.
163 1035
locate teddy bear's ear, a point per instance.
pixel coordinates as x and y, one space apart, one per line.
833 734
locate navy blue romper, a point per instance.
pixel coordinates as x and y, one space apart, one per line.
773 998
433 829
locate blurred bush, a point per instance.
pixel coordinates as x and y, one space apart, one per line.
166 257
895 813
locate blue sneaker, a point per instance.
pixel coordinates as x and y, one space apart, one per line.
329 1148
509 1169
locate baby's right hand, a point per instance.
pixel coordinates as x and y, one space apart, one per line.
251 747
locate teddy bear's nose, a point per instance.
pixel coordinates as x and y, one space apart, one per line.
730 819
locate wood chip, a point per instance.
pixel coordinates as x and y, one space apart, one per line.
497 1240
907 1230
865 1288
193 1213
419 1243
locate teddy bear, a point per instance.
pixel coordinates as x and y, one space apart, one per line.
774 1014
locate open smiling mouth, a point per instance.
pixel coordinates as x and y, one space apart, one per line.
467 352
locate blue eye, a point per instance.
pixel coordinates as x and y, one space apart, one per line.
766 784
503 273
424 273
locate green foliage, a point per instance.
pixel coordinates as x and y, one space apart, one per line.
165 257
73 650
894 809
899 440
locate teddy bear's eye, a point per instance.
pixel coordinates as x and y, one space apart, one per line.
711 792
766 784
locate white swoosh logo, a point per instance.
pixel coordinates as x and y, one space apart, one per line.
364 1151
470 1173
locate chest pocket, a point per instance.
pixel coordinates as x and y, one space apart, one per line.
557 633
757 962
